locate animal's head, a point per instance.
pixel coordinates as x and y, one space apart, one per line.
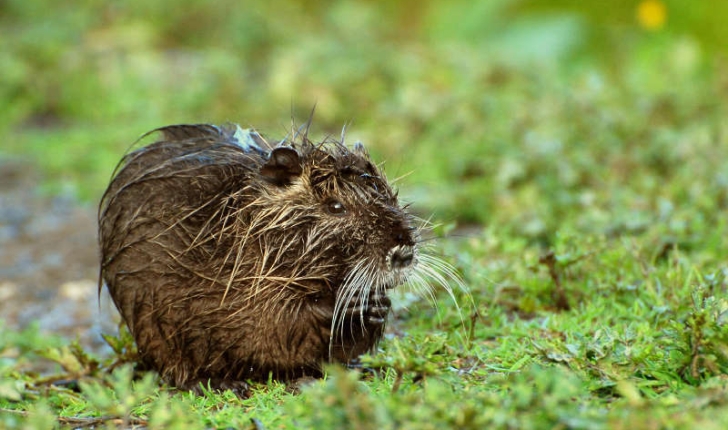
350 209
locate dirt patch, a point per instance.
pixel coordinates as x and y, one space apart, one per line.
49 261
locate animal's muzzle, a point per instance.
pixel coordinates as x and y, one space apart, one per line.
401 257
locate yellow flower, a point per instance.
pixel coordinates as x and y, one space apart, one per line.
651 14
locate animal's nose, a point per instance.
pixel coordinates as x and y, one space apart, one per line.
402 257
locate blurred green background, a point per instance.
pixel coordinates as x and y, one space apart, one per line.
520 115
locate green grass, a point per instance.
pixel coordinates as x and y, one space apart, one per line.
588 152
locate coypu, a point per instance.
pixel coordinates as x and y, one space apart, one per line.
231 258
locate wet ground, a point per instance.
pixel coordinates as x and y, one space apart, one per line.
49 261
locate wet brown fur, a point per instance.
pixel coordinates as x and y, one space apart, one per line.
230 259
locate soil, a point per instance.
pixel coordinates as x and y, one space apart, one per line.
49 261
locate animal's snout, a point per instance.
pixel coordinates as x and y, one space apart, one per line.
402 254
402 257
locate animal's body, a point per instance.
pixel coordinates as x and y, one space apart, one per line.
231 258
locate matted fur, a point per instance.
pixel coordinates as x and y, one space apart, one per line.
231 258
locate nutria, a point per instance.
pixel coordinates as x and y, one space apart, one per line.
231 258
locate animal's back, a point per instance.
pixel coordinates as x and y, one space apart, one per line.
161 253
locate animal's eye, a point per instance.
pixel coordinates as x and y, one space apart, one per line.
335 207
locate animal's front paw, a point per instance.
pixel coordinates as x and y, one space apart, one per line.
372 311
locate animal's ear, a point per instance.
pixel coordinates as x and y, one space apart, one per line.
283 166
